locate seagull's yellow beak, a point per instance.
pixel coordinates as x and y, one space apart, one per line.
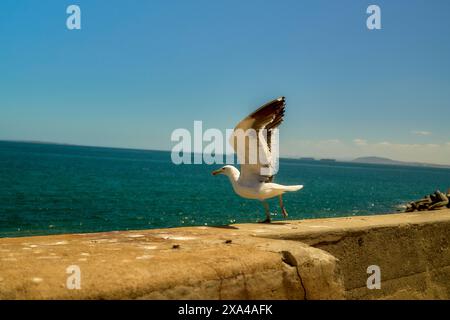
216 172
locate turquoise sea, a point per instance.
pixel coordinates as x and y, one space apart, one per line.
49 189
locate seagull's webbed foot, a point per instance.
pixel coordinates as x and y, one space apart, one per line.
266 207
283 209
267 220
285 214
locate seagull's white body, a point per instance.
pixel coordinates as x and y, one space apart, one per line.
256 190
255 179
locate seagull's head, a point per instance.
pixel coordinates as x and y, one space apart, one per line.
226 170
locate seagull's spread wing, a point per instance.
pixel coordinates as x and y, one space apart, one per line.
263 123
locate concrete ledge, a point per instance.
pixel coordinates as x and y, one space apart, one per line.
307 259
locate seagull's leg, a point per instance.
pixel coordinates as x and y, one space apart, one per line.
266 207
283 209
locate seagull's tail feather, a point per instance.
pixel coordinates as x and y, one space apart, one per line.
293 188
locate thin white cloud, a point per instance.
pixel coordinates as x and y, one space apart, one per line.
422 133
360 142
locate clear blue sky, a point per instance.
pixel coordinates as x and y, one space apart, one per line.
137 70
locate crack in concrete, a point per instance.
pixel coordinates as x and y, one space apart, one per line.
289 259
301 283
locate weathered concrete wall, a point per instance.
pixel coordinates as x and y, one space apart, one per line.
412 251
307 259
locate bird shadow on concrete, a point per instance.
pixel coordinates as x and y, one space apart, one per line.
273 223
280 223
225 227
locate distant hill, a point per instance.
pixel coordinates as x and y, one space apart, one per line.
380 160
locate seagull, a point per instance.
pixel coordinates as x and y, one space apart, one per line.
255 180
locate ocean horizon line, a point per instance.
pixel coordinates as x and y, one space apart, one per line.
300 158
